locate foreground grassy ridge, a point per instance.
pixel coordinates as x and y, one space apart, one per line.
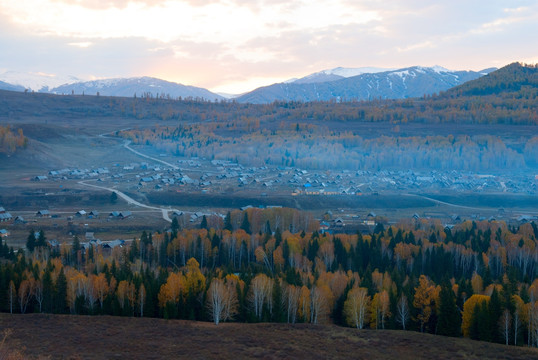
104 337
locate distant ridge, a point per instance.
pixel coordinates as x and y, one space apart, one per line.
10 87
139 86
35 81
337 74
510 78
403 83
494 99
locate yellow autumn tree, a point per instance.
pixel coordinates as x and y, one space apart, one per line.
468 309
126 294
304 304
379 310
425 300
356 307
172 289
194 279
477 284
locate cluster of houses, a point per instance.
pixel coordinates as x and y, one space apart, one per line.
92 241
90 215
4 215
356 183
204 175
354 225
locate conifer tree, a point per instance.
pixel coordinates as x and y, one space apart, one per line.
30 241
41 240
203 224
245 225
492 318
449 322
60 298
228 222
175 225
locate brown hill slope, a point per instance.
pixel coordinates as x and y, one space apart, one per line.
103 337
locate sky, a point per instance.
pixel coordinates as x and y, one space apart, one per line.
234 46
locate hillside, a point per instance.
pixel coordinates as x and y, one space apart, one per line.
511 80
142 86
10 87
100 337
455 106
404 83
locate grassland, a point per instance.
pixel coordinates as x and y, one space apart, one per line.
103 337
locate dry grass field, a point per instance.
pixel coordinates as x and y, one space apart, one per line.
104 337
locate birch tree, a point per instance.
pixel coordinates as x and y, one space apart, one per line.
505 323
291 302
216 297
261 289
356 307
402 311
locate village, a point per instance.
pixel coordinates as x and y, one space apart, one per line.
214 176
167 174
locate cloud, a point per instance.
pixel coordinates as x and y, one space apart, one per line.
255 42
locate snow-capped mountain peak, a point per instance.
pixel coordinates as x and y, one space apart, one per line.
350 72
336 74
36 81
363 84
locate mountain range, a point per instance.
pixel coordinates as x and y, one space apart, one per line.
338 84
329 85
140 86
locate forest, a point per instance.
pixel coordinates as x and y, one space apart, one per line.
320 136
318 147
476 279
506 96
11 140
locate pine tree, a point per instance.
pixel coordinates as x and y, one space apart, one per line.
30 241
245 225
495 312
175 225
203 224
228 222
60 298
41 240
76 249
48 291
449 322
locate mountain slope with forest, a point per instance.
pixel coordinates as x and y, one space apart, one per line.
142 86
454 106
404 83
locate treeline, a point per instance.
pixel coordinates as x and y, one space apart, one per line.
11 140
318 147
506 96
477 279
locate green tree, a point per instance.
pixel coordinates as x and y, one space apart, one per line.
113 198
228 222
30 241
449 322
175 225
48 291
41 240
203 224
76 249
495 312
245 225
60 298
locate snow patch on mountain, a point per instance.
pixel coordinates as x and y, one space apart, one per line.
36 81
